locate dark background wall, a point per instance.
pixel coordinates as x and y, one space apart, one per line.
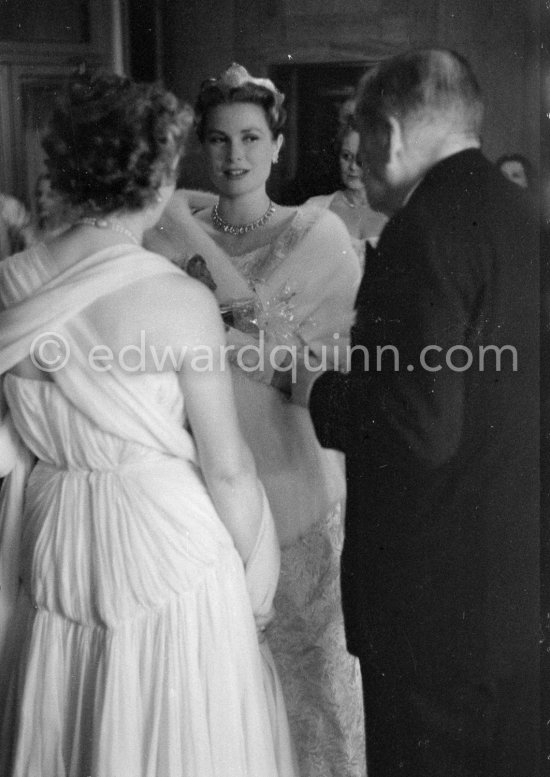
306 45
499 37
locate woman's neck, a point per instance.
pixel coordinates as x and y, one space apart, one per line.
244 209
130 225
135 222
355 197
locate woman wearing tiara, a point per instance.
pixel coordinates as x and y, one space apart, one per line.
138 560
288 278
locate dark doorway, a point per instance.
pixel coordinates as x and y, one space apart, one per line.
144 24
315 96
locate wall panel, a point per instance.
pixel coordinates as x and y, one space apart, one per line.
35 60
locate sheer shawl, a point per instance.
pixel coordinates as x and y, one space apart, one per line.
313 260
33 300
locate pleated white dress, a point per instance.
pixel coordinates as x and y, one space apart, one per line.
138 654
141 655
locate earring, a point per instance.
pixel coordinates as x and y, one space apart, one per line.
275 160
158 197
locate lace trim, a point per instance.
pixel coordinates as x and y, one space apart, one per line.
262 264
321 681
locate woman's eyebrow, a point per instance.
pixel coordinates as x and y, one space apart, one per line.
244 129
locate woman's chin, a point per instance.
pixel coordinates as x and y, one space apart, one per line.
354 185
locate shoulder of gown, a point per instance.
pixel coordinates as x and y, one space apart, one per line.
22 273
327 242
320 200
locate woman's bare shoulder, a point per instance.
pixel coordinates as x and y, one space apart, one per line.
174 294
181 311
168 307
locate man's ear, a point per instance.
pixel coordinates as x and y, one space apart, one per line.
396 145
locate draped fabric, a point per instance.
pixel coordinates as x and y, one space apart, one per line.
128 638
303 281
374 225
325 201
311 264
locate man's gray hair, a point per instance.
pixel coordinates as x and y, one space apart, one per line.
419 83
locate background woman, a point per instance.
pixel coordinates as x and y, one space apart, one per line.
53 215
517 169
14 226
144 552
350 201
290 277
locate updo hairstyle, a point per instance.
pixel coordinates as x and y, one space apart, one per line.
111 143
236 85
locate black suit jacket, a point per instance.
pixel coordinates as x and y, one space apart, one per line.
440 562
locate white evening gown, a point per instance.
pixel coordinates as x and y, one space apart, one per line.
312 262
138 653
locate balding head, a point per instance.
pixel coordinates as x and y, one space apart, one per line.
430 100
434 83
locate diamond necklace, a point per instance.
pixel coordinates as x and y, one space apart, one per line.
111 225
240 229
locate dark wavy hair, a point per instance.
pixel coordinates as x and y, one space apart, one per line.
236 85
111 143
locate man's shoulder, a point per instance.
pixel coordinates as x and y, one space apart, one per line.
469 162
462 221
466 190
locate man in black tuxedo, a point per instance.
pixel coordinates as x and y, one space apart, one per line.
440 431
